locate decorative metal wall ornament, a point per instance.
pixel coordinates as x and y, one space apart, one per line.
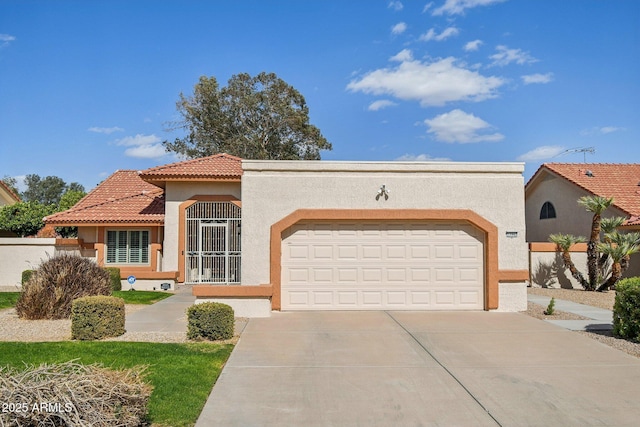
383 192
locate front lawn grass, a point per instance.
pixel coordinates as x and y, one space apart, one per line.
8 299
182 375
141 297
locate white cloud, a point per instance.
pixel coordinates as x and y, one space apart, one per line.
427 7
602 130
5 39
432 35
472 45
457 7
610 129
430 83
153 151
106 131
506 56
379 105
403 55
142 146
542 153
396 5
421 158
399 28
458 126
537 78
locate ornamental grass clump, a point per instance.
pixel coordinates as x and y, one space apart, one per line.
54 285
72 394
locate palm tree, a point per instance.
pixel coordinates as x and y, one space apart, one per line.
564 243
596 205
618 253
630 239
609 226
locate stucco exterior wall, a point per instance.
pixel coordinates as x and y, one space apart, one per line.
547 269
272 190
571 218
175 194
18 254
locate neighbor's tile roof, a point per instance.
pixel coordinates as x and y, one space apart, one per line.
122 198
219 167
620 181
9 191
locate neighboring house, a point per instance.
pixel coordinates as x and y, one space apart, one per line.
315 235
7 198
552 194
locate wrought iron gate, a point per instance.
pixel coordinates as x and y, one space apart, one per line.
213 243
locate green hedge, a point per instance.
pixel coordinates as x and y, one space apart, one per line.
26 275
626 310
211 321
97 317
114 278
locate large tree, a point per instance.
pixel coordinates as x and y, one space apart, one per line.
48 190
259 117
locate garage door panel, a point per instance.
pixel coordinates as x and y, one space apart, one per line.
415 265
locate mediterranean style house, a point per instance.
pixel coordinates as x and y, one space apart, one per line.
551 197
315 235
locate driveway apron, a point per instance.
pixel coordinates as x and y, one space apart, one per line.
421 368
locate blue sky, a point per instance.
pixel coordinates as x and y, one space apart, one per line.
88 87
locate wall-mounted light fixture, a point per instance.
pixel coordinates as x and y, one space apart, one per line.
383 192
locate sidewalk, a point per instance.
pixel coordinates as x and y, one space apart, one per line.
600 319
168 315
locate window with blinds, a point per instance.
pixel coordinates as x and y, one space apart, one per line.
127 247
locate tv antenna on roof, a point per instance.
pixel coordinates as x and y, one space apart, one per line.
584 152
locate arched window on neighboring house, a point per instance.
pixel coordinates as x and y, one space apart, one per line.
547 211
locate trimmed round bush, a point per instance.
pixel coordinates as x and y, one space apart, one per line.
54 285
626 309
210 321
97 317
114 277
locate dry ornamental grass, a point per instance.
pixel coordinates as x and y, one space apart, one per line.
72 394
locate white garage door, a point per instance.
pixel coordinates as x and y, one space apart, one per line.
382 265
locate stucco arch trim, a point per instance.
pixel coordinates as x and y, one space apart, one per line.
491 274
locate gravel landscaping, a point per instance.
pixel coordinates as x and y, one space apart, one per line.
596 299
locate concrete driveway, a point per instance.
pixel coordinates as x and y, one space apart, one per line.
421 369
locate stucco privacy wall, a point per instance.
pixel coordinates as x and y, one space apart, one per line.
18 254
272 190
547 267
175 194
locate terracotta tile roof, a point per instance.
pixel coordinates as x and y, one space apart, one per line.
219 167
620 181
122 198
9 191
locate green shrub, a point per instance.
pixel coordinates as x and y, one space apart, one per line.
626 310
210 320
551 307
97 317
114 277
56 283
26 275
